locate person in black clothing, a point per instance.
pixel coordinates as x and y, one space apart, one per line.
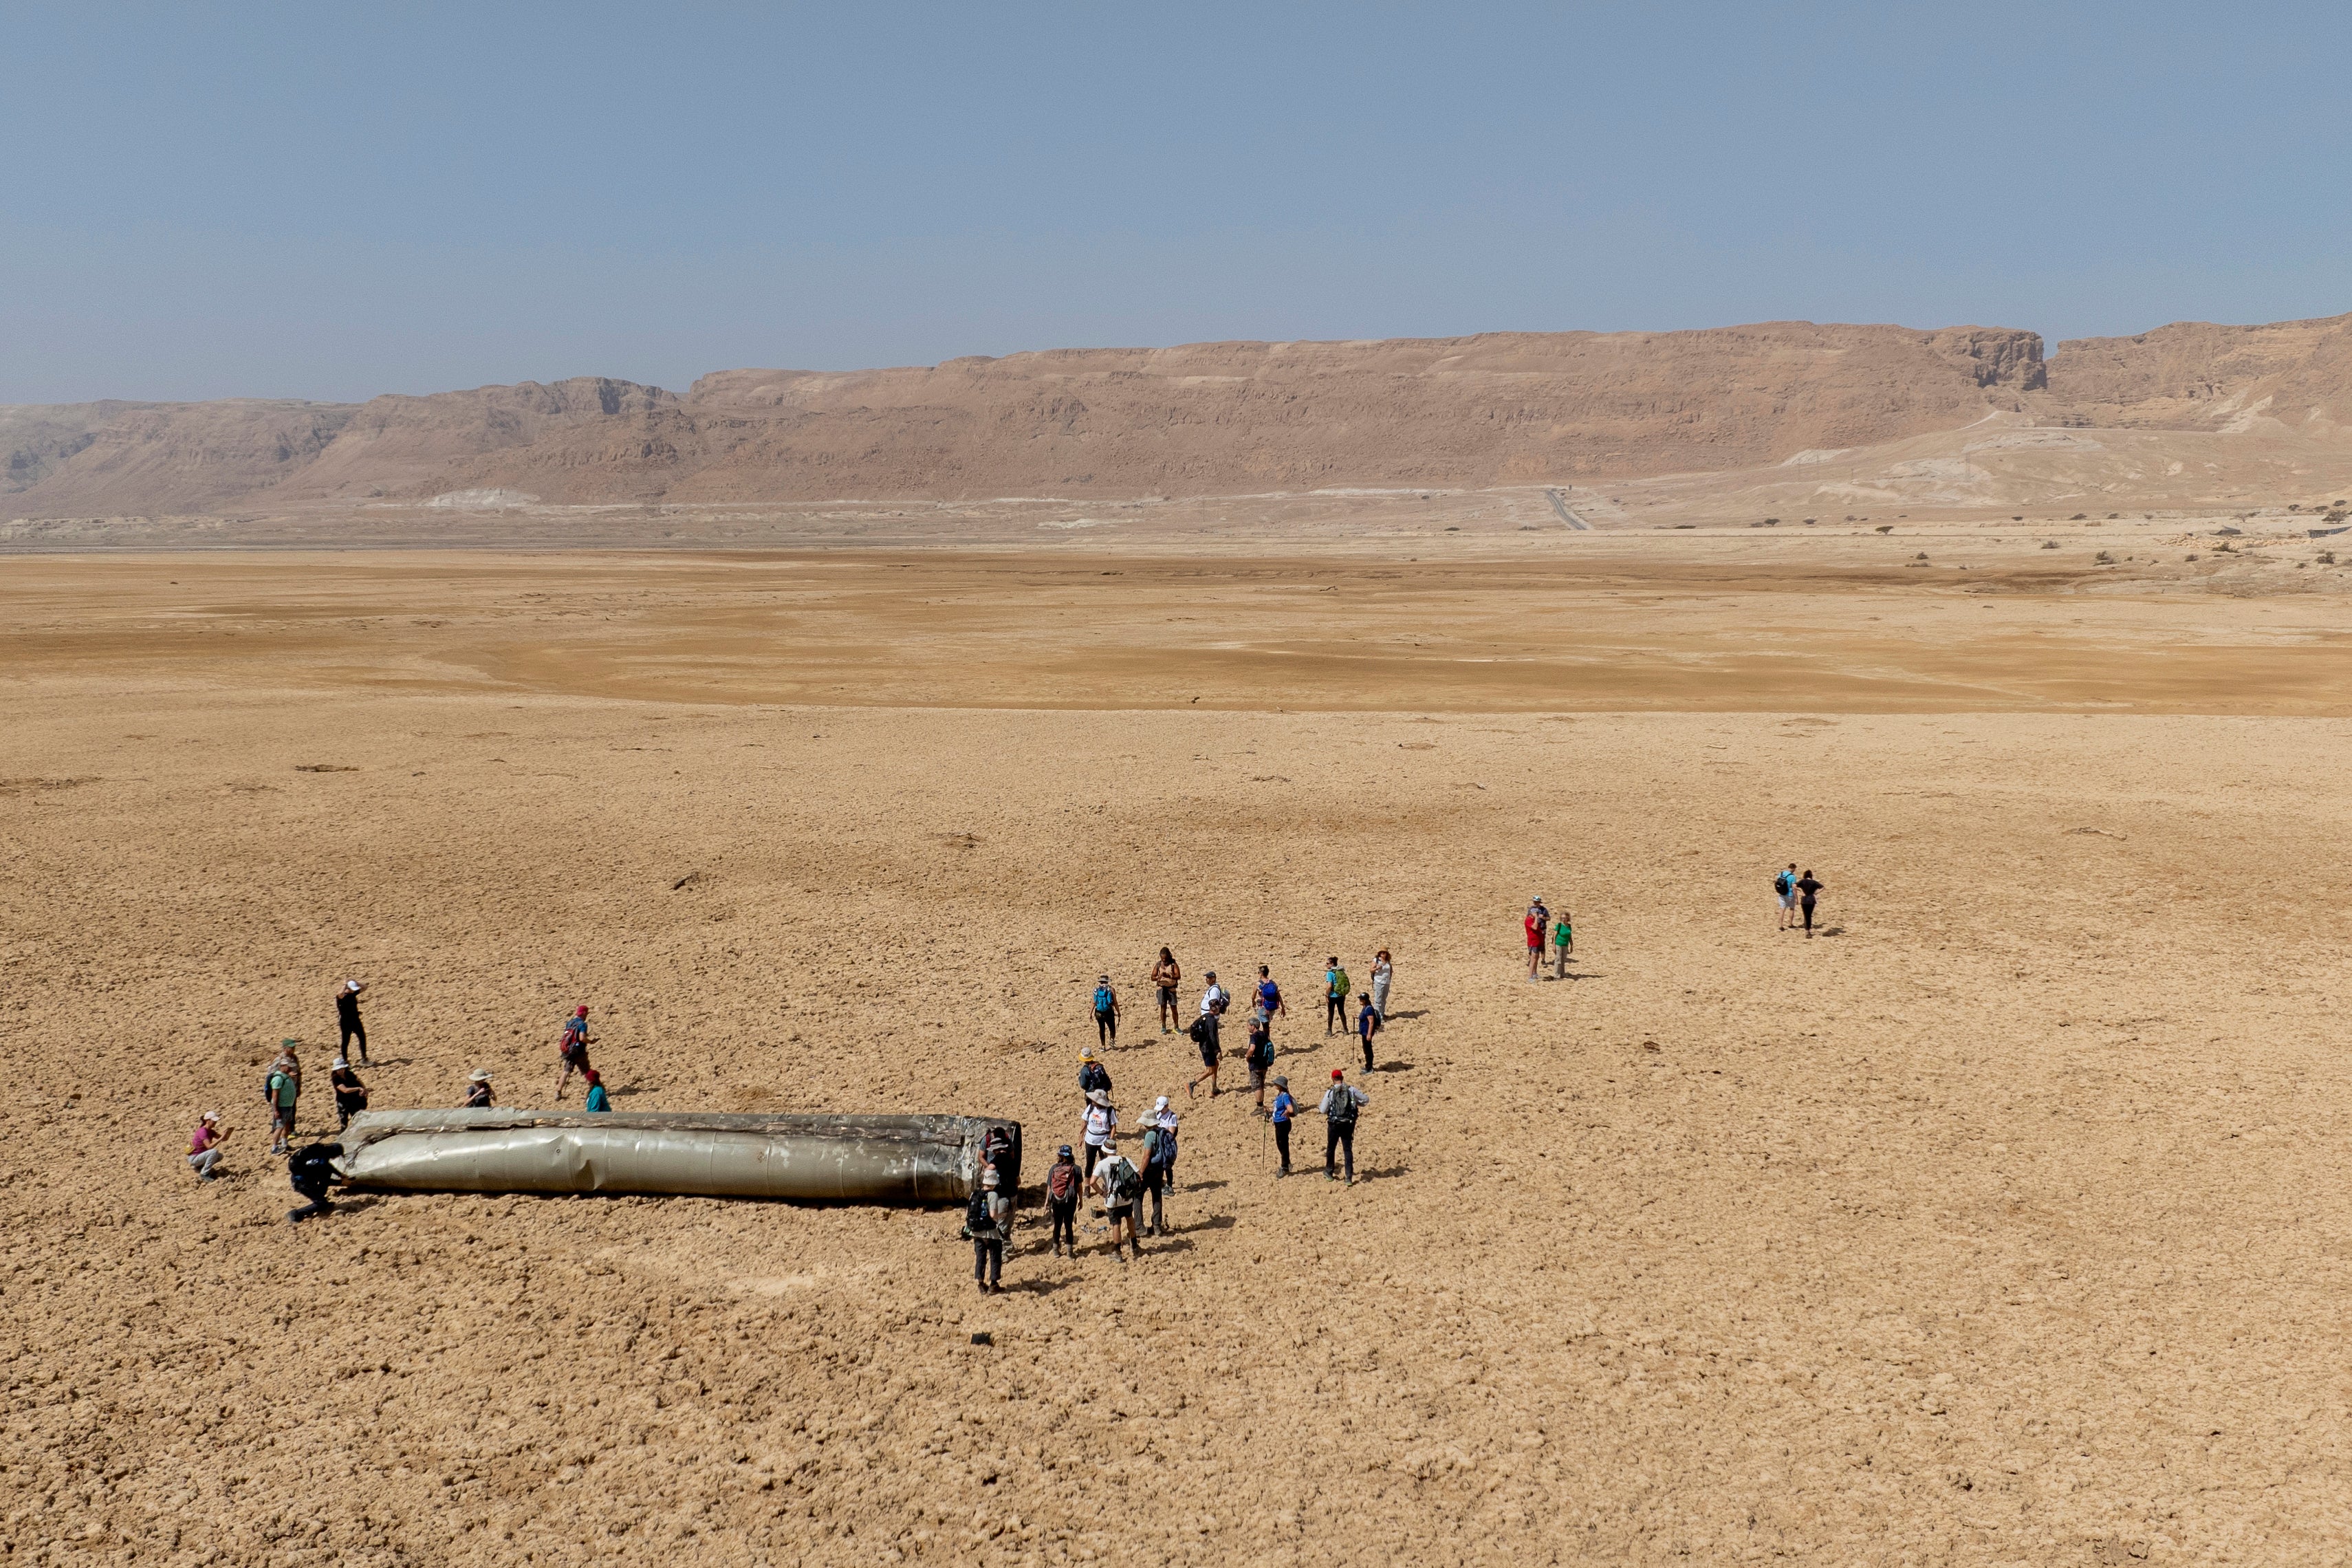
351 1094
1807 889
1368 1024
1092 1074
1001 1153
308 1169
347 1016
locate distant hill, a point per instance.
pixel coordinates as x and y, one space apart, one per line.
1501 408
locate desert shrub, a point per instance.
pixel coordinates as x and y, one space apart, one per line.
2103 559
2049 544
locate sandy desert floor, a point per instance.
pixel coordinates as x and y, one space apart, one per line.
2004 1223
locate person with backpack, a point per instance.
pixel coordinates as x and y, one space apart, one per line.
281 1088
1118 1183
1784 893
1368 1024
1001 1154
1341 1101
1213 1051
1563 942
1092 1074
308 1170
1539 926
1260 1058
1269 997
1284 1108
1101 1126
1215 999
1105 1002
1167 975
1159 1163
572 1050
987 1220
347 1018
1065 1184
203 1146
351 1094
1335 995
597 1099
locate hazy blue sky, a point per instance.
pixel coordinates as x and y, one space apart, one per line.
330 200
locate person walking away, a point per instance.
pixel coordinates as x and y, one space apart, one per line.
572 1050
1368 1024
597 1099
1382 971
1118 1183
1269 997
1092 1074
1284 1108
1784 892
347 1018
1212 1052
1335 995
1065 1184
1260 1060
1563 942
282 1088
987 1220
1807 890
1539 926
1159 1163
1106 1012
203 1146
1101 1126
351 1094
1167 975
477 1091
1341 1103
308 1170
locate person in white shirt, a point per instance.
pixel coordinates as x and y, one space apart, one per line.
1101 1125
1118 1183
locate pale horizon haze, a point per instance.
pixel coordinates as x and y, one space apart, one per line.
332 202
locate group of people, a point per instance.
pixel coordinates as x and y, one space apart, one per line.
1121 1185
1796 892
1557 930
307 1167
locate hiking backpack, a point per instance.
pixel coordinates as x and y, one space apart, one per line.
1064 1181
1125 1182
1102 999
977 1224
1340 1108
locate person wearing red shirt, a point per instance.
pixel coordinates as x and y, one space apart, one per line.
1539 923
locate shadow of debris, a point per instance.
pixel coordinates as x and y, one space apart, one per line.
1385 1172
1394 1067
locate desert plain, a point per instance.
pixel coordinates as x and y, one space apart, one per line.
2002 1222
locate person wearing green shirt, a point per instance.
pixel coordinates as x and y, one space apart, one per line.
281 1088
1563 938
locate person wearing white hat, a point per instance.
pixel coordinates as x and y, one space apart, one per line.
351 1094
986 1220
477 1091
1159 1161
1101 1125
1118 1183
204 1145
347 1018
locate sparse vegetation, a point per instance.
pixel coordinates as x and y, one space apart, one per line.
1885 528
2225 548
2049 544
2336 514
2103 559
2192 555
2080 517
2327 558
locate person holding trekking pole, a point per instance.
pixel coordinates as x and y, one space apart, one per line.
1341 1101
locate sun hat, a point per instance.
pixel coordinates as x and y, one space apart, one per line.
1282 1083
288 1045
1103 979
1086 1053
480 1075
988 1177
1098 1097
342 1061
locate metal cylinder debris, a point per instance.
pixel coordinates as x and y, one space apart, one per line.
818 1158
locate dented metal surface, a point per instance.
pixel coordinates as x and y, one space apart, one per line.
828 1158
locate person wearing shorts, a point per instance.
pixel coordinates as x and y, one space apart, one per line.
1784 888
1166 973
1539 923
1212 1052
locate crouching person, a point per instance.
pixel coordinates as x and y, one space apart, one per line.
310 1170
